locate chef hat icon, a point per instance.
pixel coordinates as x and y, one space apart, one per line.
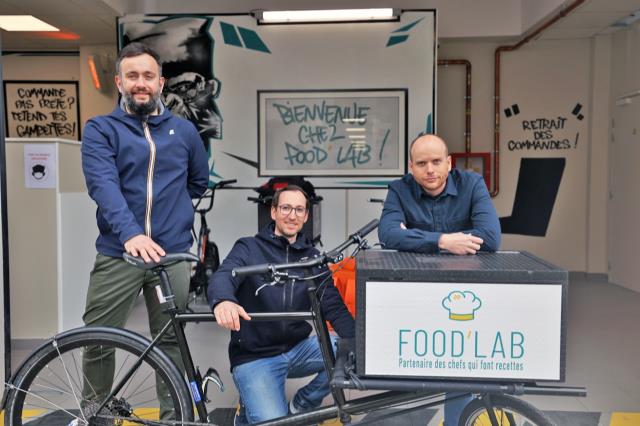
461 305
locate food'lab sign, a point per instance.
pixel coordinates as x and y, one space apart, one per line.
486 331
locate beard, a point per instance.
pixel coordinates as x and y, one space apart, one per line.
142 109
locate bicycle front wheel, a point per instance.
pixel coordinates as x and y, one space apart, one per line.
509 411
66 380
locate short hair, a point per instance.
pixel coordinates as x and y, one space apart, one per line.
134 49
276 195
446 148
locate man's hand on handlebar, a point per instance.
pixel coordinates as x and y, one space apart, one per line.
228 315
145 247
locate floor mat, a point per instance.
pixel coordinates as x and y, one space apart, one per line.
574 418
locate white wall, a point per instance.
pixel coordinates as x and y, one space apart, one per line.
624 204
598 162
546 79
92 101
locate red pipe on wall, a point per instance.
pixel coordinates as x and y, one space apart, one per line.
496 96
467 98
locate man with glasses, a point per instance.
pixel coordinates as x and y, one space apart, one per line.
264 354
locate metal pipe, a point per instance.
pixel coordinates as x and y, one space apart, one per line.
555 391
255 316
467 98
496 96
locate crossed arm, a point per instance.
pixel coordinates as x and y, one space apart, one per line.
484 233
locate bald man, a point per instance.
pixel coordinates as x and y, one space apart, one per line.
434 208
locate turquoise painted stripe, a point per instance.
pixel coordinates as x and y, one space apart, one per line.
429 128
396 40
230 35
252 40
408 27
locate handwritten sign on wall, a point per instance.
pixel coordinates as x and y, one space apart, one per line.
332 133
42 109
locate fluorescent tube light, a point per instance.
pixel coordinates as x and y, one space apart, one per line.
335 15
24 23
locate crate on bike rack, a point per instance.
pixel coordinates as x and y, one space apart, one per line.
491 316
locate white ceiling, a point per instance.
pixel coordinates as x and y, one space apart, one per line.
94 21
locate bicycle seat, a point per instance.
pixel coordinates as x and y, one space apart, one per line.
166 260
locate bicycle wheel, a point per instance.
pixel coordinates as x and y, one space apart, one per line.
509 411
51 387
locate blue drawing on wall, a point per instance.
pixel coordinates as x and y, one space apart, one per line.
397 38
236 37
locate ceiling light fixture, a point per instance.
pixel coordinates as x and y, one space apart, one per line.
329 15
93 70
24 23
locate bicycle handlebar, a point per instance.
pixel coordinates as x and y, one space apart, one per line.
166 260
210 192
224 183
322 259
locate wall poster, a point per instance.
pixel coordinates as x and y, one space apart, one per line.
42 109
332 133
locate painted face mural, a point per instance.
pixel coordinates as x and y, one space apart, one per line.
185 47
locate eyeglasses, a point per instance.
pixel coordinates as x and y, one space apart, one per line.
286 210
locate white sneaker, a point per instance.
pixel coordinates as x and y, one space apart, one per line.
74 422
292 408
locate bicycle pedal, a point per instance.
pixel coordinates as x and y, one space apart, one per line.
211 376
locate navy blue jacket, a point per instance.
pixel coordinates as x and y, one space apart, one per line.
143 184
265 339
463 206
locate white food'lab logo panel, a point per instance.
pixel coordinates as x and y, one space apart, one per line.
463 330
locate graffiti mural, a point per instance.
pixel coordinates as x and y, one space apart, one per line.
186 51
539 179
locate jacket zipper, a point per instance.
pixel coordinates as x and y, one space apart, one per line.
284 290
284 293
152 163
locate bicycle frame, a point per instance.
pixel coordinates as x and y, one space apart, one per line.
398 392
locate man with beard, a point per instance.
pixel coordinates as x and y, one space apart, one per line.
142 166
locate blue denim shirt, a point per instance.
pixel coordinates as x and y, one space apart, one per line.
463 206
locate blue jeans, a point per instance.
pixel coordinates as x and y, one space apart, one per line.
261 383
453 409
